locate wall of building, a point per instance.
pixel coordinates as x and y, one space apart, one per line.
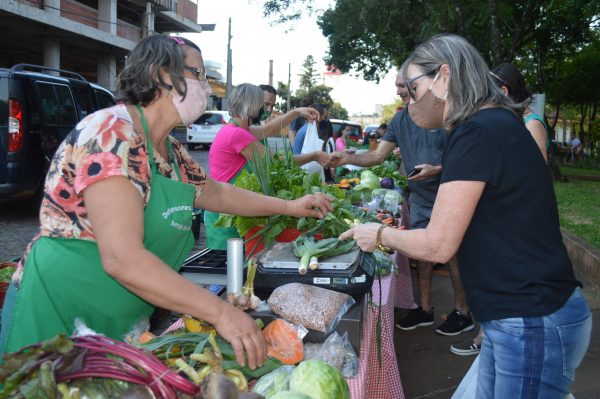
188 9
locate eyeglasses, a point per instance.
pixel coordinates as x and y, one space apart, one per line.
409 82
199 73
499 79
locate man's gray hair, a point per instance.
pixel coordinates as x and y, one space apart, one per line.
471 84
245 101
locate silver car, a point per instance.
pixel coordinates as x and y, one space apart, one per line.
204 129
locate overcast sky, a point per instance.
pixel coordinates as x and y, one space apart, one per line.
255 42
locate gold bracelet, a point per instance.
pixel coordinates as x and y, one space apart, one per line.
378 242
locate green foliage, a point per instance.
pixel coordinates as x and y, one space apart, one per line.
309 75
336 111
390 110
578 204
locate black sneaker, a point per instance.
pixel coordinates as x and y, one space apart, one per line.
455 324
415 318
466 349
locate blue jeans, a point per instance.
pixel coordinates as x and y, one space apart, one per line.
534 357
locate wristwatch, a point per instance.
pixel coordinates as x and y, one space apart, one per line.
378 243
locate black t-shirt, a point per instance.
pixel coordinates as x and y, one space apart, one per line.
512 260
417 146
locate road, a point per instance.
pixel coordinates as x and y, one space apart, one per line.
19 223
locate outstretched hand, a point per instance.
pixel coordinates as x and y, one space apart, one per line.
309 113
364 235
312 205
339 159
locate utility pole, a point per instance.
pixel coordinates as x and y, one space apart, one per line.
289 93
270 72
229 69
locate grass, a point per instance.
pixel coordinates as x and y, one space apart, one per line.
579 209
573 170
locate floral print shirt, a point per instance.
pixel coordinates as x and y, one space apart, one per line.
102 145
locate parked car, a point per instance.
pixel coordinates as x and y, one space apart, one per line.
204 129
37 111
370 129
356 132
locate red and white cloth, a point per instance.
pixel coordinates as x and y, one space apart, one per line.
372 380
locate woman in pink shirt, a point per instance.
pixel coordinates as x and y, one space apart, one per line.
235 144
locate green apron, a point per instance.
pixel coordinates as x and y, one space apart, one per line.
64 278
216 237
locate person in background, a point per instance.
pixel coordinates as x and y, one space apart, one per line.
323 129
496 210
576 148
115 220
511 82
269 99
234 145
340 138
299 121
376 136
421 151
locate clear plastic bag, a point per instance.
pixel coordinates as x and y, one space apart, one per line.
276 381
284 341
315 308
337 351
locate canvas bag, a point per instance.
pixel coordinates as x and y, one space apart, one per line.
312 143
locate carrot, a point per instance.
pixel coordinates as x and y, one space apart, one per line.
283 342
146 336
388 220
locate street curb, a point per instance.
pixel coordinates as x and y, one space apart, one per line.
585 258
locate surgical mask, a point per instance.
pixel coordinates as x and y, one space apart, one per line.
428 112
195 102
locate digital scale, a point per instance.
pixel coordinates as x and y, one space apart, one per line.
351 273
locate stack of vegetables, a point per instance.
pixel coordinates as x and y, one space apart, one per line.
277 175
91 366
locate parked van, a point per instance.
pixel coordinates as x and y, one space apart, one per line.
37 111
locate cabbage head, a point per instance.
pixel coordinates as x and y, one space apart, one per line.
290 395
319 380
276 381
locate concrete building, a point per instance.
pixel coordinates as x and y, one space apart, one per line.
91 37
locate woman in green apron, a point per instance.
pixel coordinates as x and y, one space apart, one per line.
117 211
237 142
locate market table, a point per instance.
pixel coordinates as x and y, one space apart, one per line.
371 380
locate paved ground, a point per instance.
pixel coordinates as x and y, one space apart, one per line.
429 370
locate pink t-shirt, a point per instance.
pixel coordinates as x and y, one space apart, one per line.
340 144
225 157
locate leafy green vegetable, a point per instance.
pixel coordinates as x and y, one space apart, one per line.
319 380
6 273
289 395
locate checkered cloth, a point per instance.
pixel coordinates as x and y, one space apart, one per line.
373 381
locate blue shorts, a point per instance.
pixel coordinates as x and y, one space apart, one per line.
419 216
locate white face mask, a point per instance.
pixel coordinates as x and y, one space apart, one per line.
195 101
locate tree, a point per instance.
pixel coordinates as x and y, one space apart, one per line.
390 110
336 111
309 75
370 36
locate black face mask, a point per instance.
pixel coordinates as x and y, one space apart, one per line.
258 118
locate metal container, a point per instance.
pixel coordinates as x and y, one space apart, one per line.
235 265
